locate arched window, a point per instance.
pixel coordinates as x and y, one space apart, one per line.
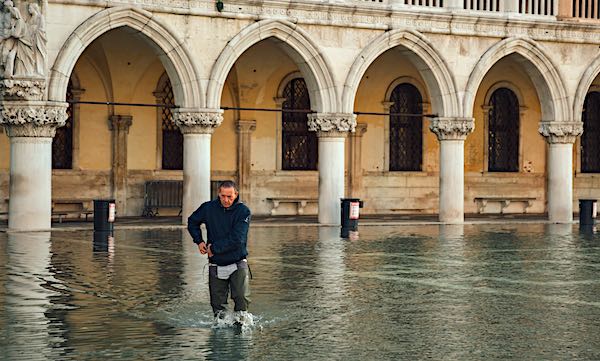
299 145
503 132
172 139
406 132
62 143
590 139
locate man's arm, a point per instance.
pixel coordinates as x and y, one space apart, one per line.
194 222
236 236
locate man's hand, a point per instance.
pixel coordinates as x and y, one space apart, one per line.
202 247
209 251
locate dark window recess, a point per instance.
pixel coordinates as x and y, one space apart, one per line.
172 139
62 143
503 132
406 132
590 139
299 145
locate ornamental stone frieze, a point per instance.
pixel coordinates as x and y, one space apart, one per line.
452 128
561 132
32 118
376 15
332 124
198 122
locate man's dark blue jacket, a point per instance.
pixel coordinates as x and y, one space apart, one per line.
227 230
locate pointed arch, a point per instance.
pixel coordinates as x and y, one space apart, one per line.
169 48
585 83
432 67
544 75
296 43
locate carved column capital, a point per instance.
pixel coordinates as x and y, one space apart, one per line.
198 121
359 130
120 122
561 132
452 128
245 126
32 118
332 124
22 88
387 106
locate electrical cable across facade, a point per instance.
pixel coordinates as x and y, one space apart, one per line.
307 111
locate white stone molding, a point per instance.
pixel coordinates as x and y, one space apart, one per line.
504 84
583 88
175 56
296 43
381 16
32 118
332 124
407 80
202 121
452 128
561 132
433 69
544 75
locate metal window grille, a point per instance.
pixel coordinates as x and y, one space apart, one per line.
299 145
503 132
62 143
172 139
590 140
406 132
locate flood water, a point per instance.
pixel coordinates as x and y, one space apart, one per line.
485 292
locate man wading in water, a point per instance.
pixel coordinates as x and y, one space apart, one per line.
227 221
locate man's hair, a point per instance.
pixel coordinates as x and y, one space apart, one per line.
228 184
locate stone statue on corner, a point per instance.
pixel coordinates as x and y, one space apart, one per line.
22 43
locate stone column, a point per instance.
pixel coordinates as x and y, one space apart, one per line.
509 6
244 129
355 172
454 4
331 129
452 132
560 137
197 126
30 125
119 125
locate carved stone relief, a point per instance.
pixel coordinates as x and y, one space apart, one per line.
331 124
22 39
452 128
200 122
33 118
561 132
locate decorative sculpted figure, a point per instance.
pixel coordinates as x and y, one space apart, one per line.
37 33
22 44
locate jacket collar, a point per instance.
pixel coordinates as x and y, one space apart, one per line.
236 202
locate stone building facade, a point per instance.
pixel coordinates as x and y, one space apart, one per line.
415 106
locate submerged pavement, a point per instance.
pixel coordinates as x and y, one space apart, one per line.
133 223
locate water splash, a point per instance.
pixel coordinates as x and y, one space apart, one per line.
240 320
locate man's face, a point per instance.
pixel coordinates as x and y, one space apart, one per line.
227 196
